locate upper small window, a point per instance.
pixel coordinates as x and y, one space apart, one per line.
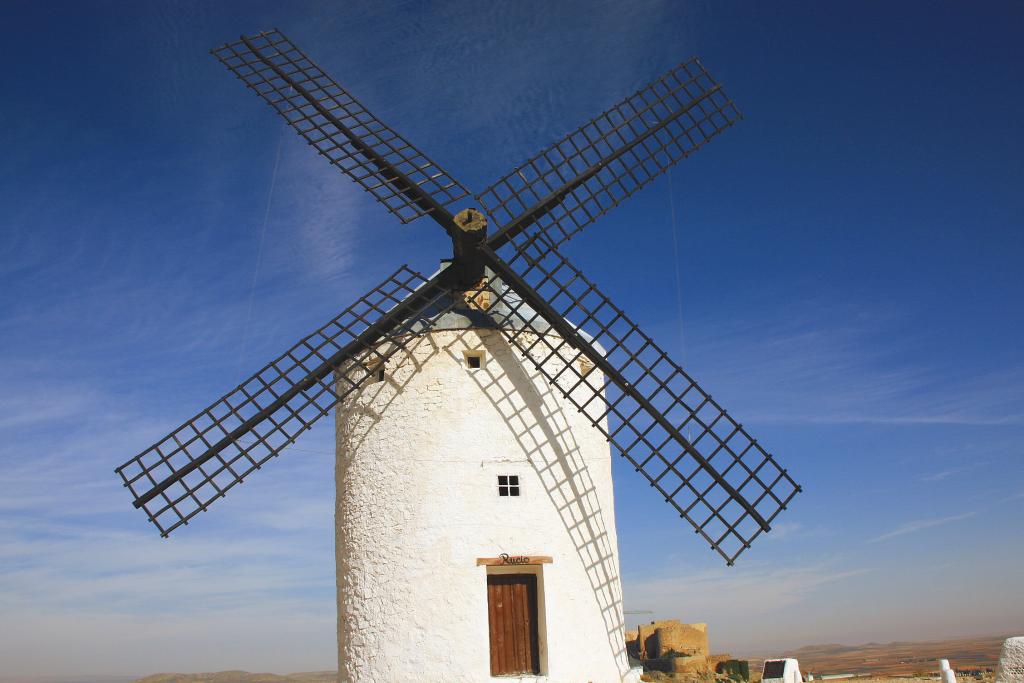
508 484
376 369
474 359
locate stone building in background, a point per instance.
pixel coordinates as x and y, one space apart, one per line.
681 649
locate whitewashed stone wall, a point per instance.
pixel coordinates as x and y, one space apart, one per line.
1011 661
418 459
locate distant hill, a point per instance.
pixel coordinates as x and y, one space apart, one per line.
899 658
242 677
878 659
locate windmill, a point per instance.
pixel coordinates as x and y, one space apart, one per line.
475 407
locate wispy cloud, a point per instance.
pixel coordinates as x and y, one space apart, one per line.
820 366
316 216
753 589
920 525
785 530
76 559
1015 496
942 475
740 596
796 530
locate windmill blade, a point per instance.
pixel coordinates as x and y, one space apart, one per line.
384 163
593 169
682 441
183 473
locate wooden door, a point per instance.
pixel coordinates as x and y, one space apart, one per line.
512 614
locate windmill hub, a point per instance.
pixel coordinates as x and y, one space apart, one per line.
471 221
470 230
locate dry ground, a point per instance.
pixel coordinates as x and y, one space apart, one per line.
901 662
242 677
900 659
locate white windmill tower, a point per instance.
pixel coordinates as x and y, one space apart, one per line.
475 408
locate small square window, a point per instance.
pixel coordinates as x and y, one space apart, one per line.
474 359
508 484
376 370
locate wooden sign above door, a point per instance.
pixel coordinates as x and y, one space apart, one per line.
506 560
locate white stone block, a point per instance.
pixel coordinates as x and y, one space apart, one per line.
1011 661
948 676
944 665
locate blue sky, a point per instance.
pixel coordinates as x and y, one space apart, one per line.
848 262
